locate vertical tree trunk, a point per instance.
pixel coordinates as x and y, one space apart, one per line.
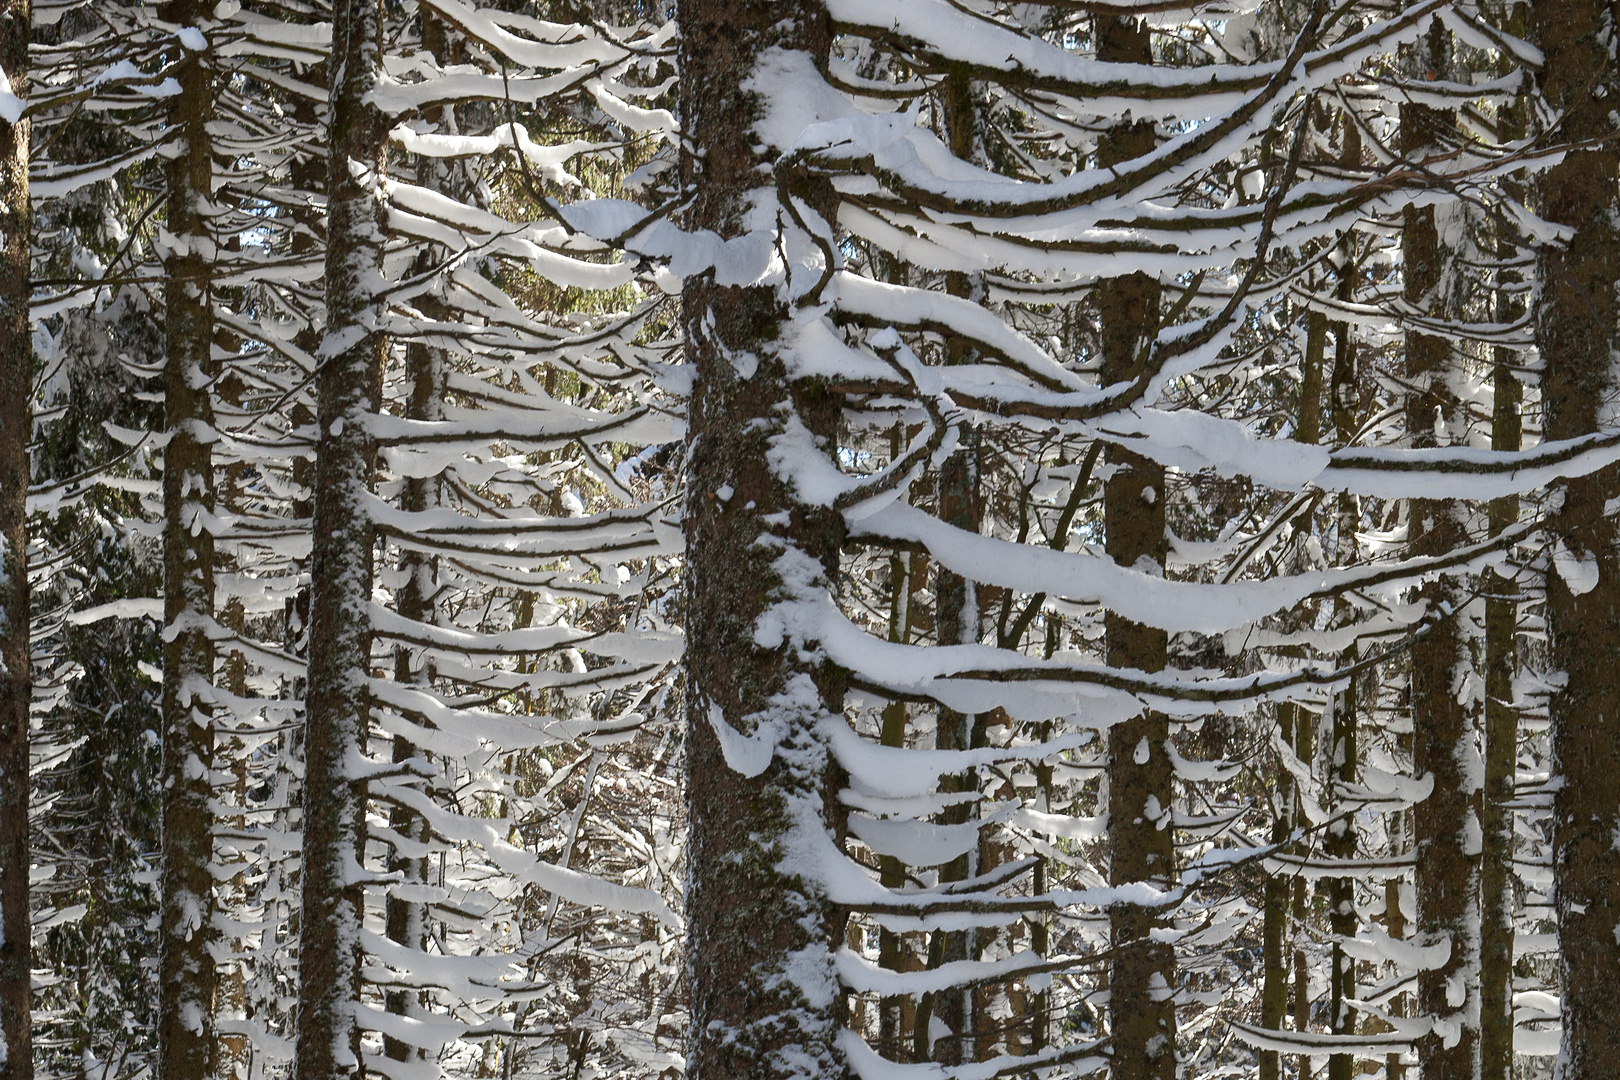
1497 901
764 1000
1341 895
1040 934
1142 977
1305 749
405 921
906 570
1274 931
956 621
16 428
1285 816
186 969
1446 823
1344 762
1575 330
339 700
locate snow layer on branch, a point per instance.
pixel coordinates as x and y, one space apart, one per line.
1169 605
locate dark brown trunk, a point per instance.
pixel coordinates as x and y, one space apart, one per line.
1274 927
16 428
339 699
186 970
1444 744
956 621
906 571
764 1000
1497 899
1142 976
1305 749
1576 329
1344 762
405 921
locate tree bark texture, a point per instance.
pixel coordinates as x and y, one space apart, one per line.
1142 976
1576 329
956 611
16 428
1497 897
764 999
187 974
1344 762
405 921
1445 740
338 702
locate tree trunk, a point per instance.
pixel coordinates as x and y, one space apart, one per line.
1446 823
1576 328
405 921
186 970
348 390
1305 749
764 998
906 570
1344 762
16 429
956 621
1341 891
1142 976
1497 900
1274 931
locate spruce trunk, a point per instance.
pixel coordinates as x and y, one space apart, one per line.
338 701
1142 976
186 971
1497 899
16 428
1444 746
1576 328
760 935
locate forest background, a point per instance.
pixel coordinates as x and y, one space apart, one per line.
904 539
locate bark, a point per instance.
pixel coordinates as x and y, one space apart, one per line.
1341 844
16 428
233 1059
764 999
1274 927
348 390
1040 933
1497 900
1344 762
1446 823
1142 976
405 921
956 621
906 570
1576 329
1285 813
1305 749
187 975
